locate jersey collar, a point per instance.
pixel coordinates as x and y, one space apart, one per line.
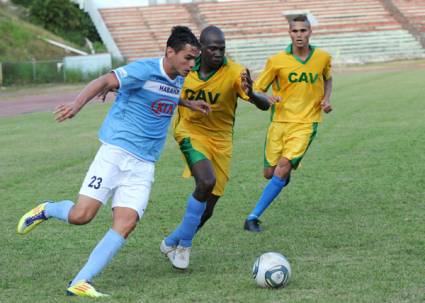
161 65
288 50
198 66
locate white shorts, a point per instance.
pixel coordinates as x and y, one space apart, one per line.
117 173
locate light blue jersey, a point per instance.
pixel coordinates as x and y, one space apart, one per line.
138 120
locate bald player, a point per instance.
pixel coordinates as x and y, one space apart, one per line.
206 141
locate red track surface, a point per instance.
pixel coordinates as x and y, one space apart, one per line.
29 100
23 102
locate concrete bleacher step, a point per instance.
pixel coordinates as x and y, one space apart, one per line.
362 29
338 12
414 11
337 54
232 25
345 48
142 31
384 35
335 10
334 51
247 17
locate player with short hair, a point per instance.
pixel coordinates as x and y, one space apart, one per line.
301 78
132 135
206 140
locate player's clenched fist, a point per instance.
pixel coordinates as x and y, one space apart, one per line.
326 106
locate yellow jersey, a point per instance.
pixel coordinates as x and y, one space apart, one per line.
299 83
221 90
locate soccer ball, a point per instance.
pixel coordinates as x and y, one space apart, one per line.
271 270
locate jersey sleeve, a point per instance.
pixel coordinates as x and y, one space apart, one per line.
131 75
266 78
327 71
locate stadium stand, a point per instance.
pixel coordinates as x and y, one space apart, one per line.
414 11
142 31
358 31
352 31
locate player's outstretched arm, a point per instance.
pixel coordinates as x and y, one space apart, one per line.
102 95
325 104
260 100
94 88
196 105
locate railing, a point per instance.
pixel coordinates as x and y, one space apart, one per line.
45 71
24 72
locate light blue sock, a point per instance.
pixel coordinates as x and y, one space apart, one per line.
270 192
59 210
101 255
185 232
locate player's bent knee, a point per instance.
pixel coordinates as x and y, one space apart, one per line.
268 175
268 172
283 168
124 228
205 186
125 220
78 217
84 210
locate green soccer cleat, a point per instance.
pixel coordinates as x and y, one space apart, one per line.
31 219
84 289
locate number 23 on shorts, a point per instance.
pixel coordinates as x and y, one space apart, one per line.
95 182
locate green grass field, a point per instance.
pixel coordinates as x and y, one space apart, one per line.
351 223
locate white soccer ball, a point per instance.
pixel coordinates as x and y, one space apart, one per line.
271 270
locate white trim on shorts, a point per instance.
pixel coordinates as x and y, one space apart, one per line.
117 173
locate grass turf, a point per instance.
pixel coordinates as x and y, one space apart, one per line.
351 223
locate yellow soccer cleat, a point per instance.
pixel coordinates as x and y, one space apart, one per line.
84 289
31 219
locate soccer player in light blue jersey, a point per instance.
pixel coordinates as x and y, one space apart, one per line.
132 135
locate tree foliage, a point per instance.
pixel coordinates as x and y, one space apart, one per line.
63 18
25 3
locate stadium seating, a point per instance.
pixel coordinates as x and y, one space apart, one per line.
142 31
414 10
349 48
352 31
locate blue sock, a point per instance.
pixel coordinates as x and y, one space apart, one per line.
101 255
270 192
185 232
59 210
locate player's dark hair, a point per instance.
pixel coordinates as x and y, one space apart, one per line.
300 18
180 36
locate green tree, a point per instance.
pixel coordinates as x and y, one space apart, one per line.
25 3
63 18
